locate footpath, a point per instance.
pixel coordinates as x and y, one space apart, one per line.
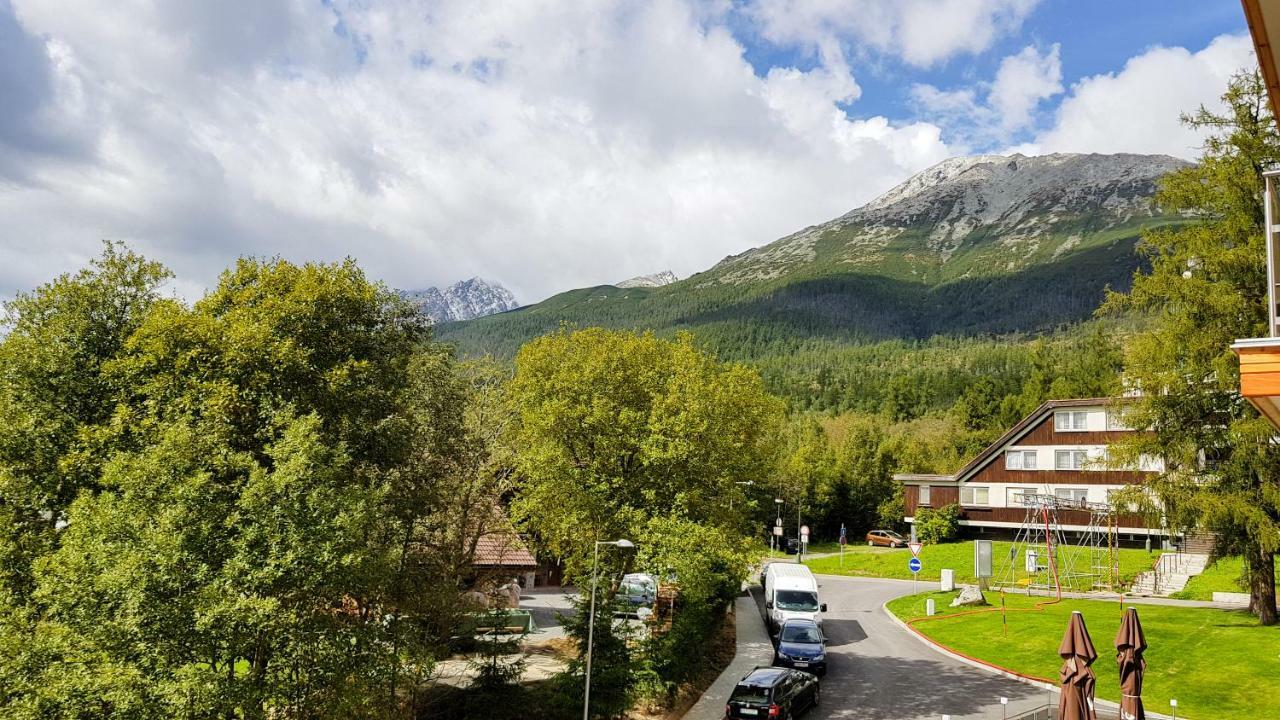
753 650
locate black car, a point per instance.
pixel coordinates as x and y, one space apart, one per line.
792 546
802 646
773 692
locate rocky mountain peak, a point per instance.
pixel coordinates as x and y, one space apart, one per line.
999 212
463 300
658 279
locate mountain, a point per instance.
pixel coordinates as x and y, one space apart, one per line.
973 246
658 279
465 300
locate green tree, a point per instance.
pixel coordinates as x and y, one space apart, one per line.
260 530
1206 288
58 401
615 428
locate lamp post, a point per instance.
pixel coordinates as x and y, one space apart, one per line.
739 482
773 537
591 616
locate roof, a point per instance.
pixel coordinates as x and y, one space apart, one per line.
1014 433
1263 17
503 549
766 676
1022 428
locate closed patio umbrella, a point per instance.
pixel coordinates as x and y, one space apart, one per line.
1076 650
1130 645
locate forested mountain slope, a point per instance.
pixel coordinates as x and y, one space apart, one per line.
974 246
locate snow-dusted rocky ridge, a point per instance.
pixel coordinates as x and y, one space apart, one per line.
465 300
1001 213
658 279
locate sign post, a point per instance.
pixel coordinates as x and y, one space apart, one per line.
914 563
843 539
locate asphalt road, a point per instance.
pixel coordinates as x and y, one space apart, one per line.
879 671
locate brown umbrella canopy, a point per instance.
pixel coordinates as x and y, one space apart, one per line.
1130 645
1076 650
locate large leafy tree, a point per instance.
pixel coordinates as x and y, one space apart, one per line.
258 525
615 428
58 401
1205 289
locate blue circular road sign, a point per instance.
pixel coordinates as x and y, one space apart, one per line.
914 565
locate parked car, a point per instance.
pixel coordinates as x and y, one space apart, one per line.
886 538
801 645
638 591
773 692
792 546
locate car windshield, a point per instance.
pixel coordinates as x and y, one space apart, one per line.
800 600
801 634
894 535
750 694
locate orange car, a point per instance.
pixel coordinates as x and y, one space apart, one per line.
886 538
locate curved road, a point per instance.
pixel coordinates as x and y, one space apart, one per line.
879 671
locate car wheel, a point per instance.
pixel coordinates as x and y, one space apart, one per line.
870 543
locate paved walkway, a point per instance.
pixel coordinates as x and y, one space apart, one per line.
753 650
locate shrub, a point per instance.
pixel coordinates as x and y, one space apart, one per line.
938 525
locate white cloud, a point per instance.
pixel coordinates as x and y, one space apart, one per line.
1137 109
989 114
1022 82
548 146
921 32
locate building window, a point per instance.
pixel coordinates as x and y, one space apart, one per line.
1070 459
1013 496
924 495
1072 494
1116 420
1020 460
974 496
1071 420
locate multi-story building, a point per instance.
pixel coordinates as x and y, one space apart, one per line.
1060 449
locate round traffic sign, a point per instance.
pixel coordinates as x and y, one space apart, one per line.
914 565
804 529
777 523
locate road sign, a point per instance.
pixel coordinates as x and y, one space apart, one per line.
777 523
914 565
804 529
777 530
915 548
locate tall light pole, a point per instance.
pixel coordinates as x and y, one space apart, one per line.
740 482
591 617
773 533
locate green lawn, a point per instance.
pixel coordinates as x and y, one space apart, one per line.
1218 664
882 562
1222 576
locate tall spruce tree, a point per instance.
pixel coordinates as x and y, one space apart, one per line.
1206 287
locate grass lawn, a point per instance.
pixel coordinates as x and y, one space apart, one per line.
1218 664
1222 576
882 562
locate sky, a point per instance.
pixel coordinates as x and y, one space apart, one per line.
546 144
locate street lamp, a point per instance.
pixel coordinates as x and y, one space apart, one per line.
739 482
591 617
778 523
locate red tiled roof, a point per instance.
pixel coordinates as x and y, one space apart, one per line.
503 549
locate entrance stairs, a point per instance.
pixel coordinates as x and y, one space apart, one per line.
1169 574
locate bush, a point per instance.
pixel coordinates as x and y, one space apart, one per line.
940 525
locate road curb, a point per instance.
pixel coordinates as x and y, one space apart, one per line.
985 666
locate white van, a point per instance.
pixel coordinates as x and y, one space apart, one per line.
790 591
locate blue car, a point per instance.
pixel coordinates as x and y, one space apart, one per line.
802 646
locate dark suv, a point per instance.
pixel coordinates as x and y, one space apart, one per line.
770 693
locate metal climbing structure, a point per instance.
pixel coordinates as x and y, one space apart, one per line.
1042 558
